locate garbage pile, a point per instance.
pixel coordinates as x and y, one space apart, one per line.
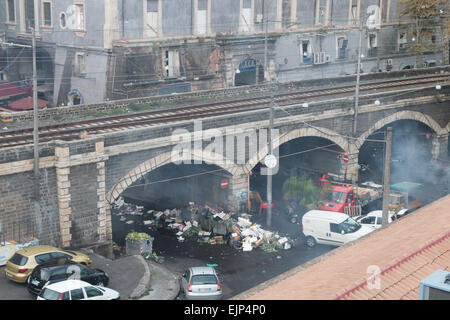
210 225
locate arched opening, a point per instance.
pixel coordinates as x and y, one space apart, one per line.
411 159
249 72
168 188
302 160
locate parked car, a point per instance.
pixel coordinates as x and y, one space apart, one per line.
22 263
76 290
70 270
332 228
201 283
374 218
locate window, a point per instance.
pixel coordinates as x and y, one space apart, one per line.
49 294
79 22
152 5
202 18
62 20
172 63
204 279
402 40
246 16
18 259
335 228
342 47
77 294
321 14
84 271
80 63
151 19
60 255
349 226
305 51
92 292
3 76
66 296
372 44
368 220
47 13
11 11
354 12
43 258
286 14
380 221
29 15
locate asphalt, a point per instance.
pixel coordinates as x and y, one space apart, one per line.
136 278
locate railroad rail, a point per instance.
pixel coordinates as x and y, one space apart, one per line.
72 130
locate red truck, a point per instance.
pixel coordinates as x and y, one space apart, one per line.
347 198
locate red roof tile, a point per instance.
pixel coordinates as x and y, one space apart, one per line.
27 104
8 90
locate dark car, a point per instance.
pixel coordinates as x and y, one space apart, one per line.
69 270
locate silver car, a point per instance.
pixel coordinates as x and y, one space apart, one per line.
201 283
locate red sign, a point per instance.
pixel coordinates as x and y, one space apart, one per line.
224 183
345 158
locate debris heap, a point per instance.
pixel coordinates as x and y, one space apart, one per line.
210 225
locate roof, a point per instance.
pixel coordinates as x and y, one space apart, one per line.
36 249
8 90
404 252
401 280
65 285
202 270
27 104
406 186
327 215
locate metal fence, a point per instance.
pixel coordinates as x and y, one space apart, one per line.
19 231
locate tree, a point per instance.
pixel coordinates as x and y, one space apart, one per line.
302 189
426 18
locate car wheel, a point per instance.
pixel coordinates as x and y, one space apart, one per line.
310 241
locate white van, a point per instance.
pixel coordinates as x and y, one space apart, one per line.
332 228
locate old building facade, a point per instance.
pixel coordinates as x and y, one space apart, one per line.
91 51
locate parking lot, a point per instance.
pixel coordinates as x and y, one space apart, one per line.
119 272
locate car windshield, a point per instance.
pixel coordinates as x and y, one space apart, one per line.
204 279
334 196
18 259
49 294
350 226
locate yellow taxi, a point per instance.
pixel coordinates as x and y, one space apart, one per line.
22 263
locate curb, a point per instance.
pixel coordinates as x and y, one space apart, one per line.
173 285
144 282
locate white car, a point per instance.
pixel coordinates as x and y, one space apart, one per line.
332 228
374 218
76 290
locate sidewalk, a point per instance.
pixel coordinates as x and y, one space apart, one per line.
135 278
164 285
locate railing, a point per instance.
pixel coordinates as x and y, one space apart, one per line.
18 231
352 211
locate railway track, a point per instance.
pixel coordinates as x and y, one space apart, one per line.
72 130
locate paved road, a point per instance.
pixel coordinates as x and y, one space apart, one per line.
238 270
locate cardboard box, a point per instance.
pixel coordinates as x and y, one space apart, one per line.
218 238
257 243
236 229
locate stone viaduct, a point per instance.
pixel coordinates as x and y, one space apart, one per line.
79 180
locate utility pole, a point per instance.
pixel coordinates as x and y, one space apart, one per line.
358 73
386 177
269 171
35 121
265 20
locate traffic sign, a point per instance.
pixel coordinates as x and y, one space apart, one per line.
345 158
224 183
